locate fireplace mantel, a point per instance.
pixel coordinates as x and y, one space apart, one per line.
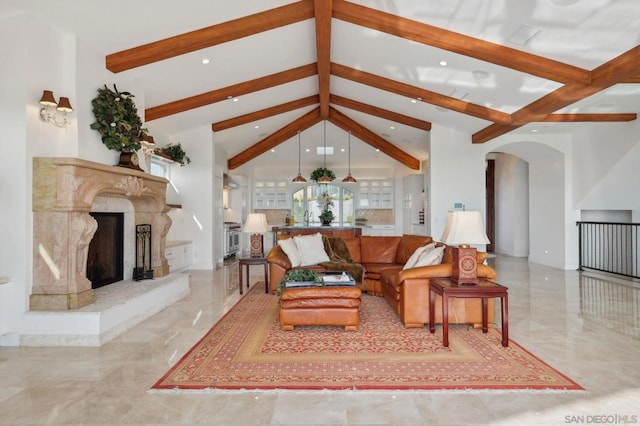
64 190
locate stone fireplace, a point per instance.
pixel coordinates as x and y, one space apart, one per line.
64 191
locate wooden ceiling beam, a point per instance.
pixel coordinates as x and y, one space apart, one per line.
619 69
164 110
209 36
379 112
413 92
323 51
264 113
304 122
459 43
589 118
367 136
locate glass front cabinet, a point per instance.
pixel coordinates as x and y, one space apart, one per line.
271 195
375 194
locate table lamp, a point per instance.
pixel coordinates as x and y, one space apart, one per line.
256 225
462 229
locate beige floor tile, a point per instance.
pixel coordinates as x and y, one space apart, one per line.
592 337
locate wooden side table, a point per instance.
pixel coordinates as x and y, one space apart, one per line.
484 289
248 261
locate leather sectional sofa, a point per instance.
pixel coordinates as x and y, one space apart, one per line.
406 291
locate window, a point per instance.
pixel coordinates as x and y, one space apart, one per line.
160 167
306 199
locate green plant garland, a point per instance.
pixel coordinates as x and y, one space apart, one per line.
317 174
176 153
117 120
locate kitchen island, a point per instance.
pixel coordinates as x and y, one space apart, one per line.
284 231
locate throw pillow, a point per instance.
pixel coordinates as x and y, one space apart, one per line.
311 249
290 248
434 257
416 255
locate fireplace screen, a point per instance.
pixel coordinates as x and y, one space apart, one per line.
143 269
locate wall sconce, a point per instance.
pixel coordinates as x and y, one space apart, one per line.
53 112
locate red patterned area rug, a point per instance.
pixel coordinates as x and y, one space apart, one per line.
247 350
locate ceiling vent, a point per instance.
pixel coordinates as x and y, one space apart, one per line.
524 34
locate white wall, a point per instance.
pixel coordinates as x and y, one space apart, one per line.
194 184
605 167
15 194
457 174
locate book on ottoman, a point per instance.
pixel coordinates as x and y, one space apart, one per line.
337 279
328 279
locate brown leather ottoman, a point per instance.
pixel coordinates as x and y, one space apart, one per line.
325 305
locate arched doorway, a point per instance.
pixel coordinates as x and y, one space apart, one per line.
530 212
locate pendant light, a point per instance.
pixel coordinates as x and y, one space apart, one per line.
299 178
349 178
324 178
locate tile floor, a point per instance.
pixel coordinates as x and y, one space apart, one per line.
585 325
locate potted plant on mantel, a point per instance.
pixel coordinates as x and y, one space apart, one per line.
173 152
119 124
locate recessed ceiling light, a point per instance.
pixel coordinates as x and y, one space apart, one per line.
205 61
414 101
256 127
273 150
534 130
523 34
443 63
236 99
392 127
342 149
307 150
377 149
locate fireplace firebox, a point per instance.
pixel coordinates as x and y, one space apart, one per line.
104 259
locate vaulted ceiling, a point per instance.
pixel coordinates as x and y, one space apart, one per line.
382 70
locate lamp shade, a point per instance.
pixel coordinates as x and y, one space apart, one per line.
64 105
464 227
256 224
47 98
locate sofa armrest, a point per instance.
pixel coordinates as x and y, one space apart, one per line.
278 257
442 270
